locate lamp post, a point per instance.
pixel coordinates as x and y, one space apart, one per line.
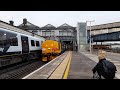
90 32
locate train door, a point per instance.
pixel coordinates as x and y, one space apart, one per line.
25 44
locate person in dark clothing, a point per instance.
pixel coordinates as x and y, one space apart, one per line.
76 48
100 67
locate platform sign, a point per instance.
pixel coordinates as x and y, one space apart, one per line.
81 36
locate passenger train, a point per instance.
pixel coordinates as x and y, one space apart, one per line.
51 48
16 47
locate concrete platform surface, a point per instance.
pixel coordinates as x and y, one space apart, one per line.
80 67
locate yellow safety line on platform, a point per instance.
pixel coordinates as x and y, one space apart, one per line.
68 68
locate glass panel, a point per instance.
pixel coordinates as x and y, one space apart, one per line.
32 43
43 33
52 33
37 43
60 33
13 41
82 34
8 39
82 41
47 33
64 33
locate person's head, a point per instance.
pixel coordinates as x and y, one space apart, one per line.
101 54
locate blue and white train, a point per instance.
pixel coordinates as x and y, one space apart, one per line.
17 45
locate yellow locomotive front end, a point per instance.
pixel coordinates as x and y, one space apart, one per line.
50 50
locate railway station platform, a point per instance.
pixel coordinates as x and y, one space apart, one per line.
69 65
81 67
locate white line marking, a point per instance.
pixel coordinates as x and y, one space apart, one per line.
41 67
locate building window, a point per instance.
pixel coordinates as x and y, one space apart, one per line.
43 33
60 33
115 29
110 30
32 43
64 33
47 33
52 33
37 43
69 33
38 32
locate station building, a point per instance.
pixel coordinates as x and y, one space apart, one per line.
66 33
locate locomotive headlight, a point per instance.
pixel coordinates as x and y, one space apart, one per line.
43 49
48 48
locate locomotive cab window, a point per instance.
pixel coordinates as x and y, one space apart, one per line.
37 43
32 43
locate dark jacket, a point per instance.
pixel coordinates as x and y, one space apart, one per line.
100 70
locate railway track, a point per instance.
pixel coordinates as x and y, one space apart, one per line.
20 70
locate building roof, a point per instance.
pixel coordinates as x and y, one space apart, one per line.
29 26
48 27
65 26
105 26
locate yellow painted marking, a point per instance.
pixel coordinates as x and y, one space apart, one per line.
68 68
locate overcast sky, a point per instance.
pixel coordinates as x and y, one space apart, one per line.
57 18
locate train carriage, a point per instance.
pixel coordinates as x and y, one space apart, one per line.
15 46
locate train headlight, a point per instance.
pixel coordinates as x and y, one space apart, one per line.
43 49
48 48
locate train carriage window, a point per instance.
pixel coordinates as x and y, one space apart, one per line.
37 43
1 43
32 43
14 41
8 39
